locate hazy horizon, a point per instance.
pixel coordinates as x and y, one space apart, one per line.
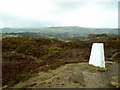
56 13
56 27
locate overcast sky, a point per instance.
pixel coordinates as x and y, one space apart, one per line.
46 13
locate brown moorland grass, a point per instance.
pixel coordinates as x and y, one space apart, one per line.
22 56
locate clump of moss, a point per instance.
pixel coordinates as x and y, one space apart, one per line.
54 49
102 69
115 81
50 51
97 68
109 62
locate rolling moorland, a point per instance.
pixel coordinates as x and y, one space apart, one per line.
25 56
62 33
62 29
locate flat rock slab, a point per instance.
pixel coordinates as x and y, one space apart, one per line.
77 77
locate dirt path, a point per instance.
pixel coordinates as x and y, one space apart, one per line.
75 75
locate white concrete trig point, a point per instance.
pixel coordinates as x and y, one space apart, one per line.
97 55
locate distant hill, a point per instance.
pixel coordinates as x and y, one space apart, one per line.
17 30
80 30
64 29
61 33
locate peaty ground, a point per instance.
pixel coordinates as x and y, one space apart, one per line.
73 75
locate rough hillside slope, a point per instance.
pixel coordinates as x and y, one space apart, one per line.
74 75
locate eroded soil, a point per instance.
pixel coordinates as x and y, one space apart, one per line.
74 75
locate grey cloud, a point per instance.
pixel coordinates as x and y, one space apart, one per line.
60 8
64 7
17 21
